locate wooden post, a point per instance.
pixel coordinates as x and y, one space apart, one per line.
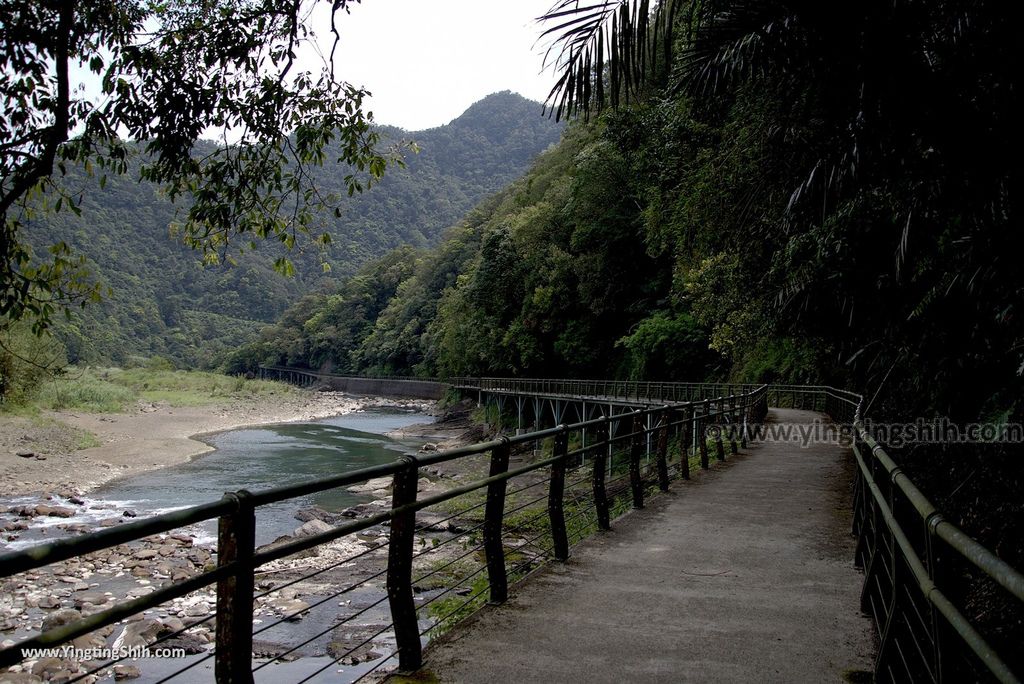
556 496
684 433
733 447
702 436
719 448
494 513
599 467
236 539
635 453
662 451
399 574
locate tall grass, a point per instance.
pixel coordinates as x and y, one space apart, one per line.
83 392
113 390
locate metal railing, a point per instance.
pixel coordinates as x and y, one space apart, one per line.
915 562
630 390
583 476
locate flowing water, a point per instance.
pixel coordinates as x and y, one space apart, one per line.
248 458
271 456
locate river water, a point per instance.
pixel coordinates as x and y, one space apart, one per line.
248 458
271 456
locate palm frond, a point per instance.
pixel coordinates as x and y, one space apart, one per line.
604 52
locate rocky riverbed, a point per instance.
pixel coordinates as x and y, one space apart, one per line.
298 599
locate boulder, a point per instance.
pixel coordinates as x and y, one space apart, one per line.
313 527
126 672
60 617
138 634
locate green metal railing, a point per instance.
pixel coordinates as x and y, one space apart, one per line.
622 390
915 562
590 470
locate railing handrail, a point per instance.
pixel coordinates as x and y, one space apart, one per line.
235 503
647 400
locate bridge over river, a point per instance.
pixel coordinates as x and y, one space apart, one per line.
615 531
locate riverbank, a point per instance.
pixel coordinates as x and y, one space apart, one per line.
45 454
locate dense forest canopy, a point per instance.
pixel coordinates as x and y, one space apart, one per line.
788 193
161 300
163 74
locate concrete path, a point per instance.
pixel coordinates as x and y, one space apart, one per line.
744 574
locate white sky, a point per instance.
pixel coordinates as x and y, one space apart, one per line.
426 61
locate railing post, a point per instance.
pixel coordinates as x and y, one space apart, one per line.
494 513
938 570
236 541
399 574
635 453
556 496
686 428
662 451
702 436
599 466
745 414
733 447
719 448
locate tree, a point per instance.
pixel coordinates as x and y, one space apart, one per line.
167 72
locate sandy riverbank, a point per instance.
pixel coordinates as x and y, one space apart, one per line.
147 437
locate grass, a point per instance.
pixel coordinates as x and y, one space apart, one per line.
114 390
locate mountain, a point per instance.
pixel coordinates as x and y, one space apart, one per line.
164 302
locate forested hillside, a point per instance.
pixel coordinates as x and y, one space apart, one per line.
756 223
164 301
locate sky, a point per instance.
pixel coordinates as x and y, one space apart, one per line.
426 61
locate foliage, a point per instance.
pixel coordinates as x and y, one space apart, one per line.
164 301
25 362
113 390
168 71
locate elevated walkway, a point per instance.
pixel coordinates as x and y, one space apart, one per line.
744 574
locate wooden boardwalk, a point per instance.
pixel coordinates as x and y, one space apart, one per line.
744 574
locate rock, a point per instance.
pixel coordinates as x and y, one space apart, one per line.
182 539
96 598
428 447
46 667
49 602
146 554
431 522
40 457
378 484
349 637
292 610
200 609
318 513
130 514
19 678
61 617
171 624
138 634
76 500
25 453
89 641
267 649
190 643
312 527
359 511
126 672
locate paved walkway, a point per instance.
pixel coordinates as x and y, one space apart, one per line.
744 574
